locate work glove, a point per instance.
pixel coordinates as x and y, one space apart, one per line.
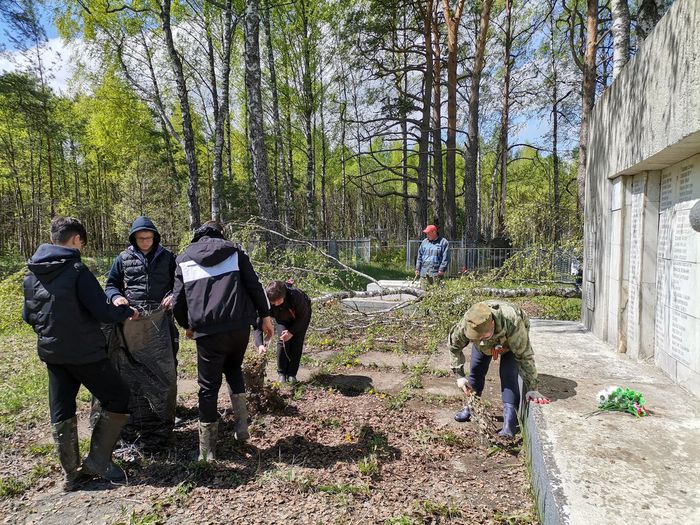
463 384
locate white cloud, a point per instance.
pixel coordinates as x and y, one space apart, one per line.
57 60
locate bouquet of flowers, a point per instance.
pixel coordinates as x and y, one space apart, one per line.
619 399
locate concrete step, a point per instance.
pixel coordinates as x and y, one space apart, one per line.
391 283
609 468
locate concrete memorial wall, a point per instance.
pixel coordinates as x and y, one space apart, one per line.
641 256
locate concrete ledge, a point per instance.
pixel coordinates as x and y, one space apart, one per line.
609 468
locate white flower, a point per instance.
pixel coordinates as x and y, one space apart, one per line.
611 389
602 397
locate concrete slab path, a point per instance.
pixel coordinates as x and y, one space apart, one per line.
609 468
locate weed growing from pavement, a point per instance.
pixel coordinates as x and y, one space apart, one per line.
414 382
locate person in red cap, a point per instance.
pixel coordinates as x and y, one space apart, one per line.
433 257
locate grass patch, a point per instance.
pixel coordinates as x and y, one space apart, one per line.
41 449
187 358
11 304
24 395
514 519
369 465
342 488
154 516
429 507
380 271
446 437
399 520
11 486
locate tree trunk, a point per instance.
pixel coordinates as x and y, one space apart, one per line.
588 96
424 142
289 184
452 23
324 160
437 130
507 66
492 193
308 97
268 211
276 121
555 124
187 129
621 34
648 15
220 106
471 225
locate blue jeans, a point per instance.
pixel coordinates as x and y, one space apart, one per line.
479 367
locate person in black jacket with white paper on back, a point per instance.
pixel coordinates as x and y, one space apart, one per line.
64 304
216 299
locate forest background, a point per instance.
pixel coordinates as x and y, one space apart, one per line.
325 118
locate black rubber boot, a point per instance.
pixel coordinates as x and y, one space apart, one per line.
463 415
510 421
65 436
104 436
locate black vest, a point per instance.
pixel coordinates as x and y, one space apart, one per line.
68 334
144 281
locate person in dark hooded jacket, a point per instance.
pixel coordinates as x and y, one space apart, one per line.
217 298
143 275
64 304
291 309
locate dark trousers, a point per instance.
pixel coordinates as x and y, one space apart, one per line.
100 378
479 366
289 353
219 354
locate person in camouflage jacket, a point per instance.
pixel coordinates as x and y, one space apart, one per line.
495 328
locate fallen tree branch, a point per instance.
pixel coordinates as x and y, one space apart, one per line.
252 223
529 292
378 293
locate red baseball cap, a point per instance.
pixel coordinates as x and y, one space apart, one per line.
430 228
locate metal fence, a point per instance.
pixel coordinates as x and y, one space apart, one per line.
540 264
345 250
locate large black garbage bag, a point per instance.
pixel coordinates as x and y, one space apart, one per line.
142 353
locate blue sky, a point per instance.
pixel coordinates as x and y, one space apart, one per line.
530 131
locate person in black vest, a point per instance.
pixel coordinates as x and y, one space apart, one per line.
291 308
64 304
217 298
143 275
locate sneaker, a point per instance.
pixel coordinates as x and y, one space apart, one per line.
291 379
281 378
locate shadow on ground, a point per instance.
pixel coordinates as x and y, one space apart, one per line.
556 388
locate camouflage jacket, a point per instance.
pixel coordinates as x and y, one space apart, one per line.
512 332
